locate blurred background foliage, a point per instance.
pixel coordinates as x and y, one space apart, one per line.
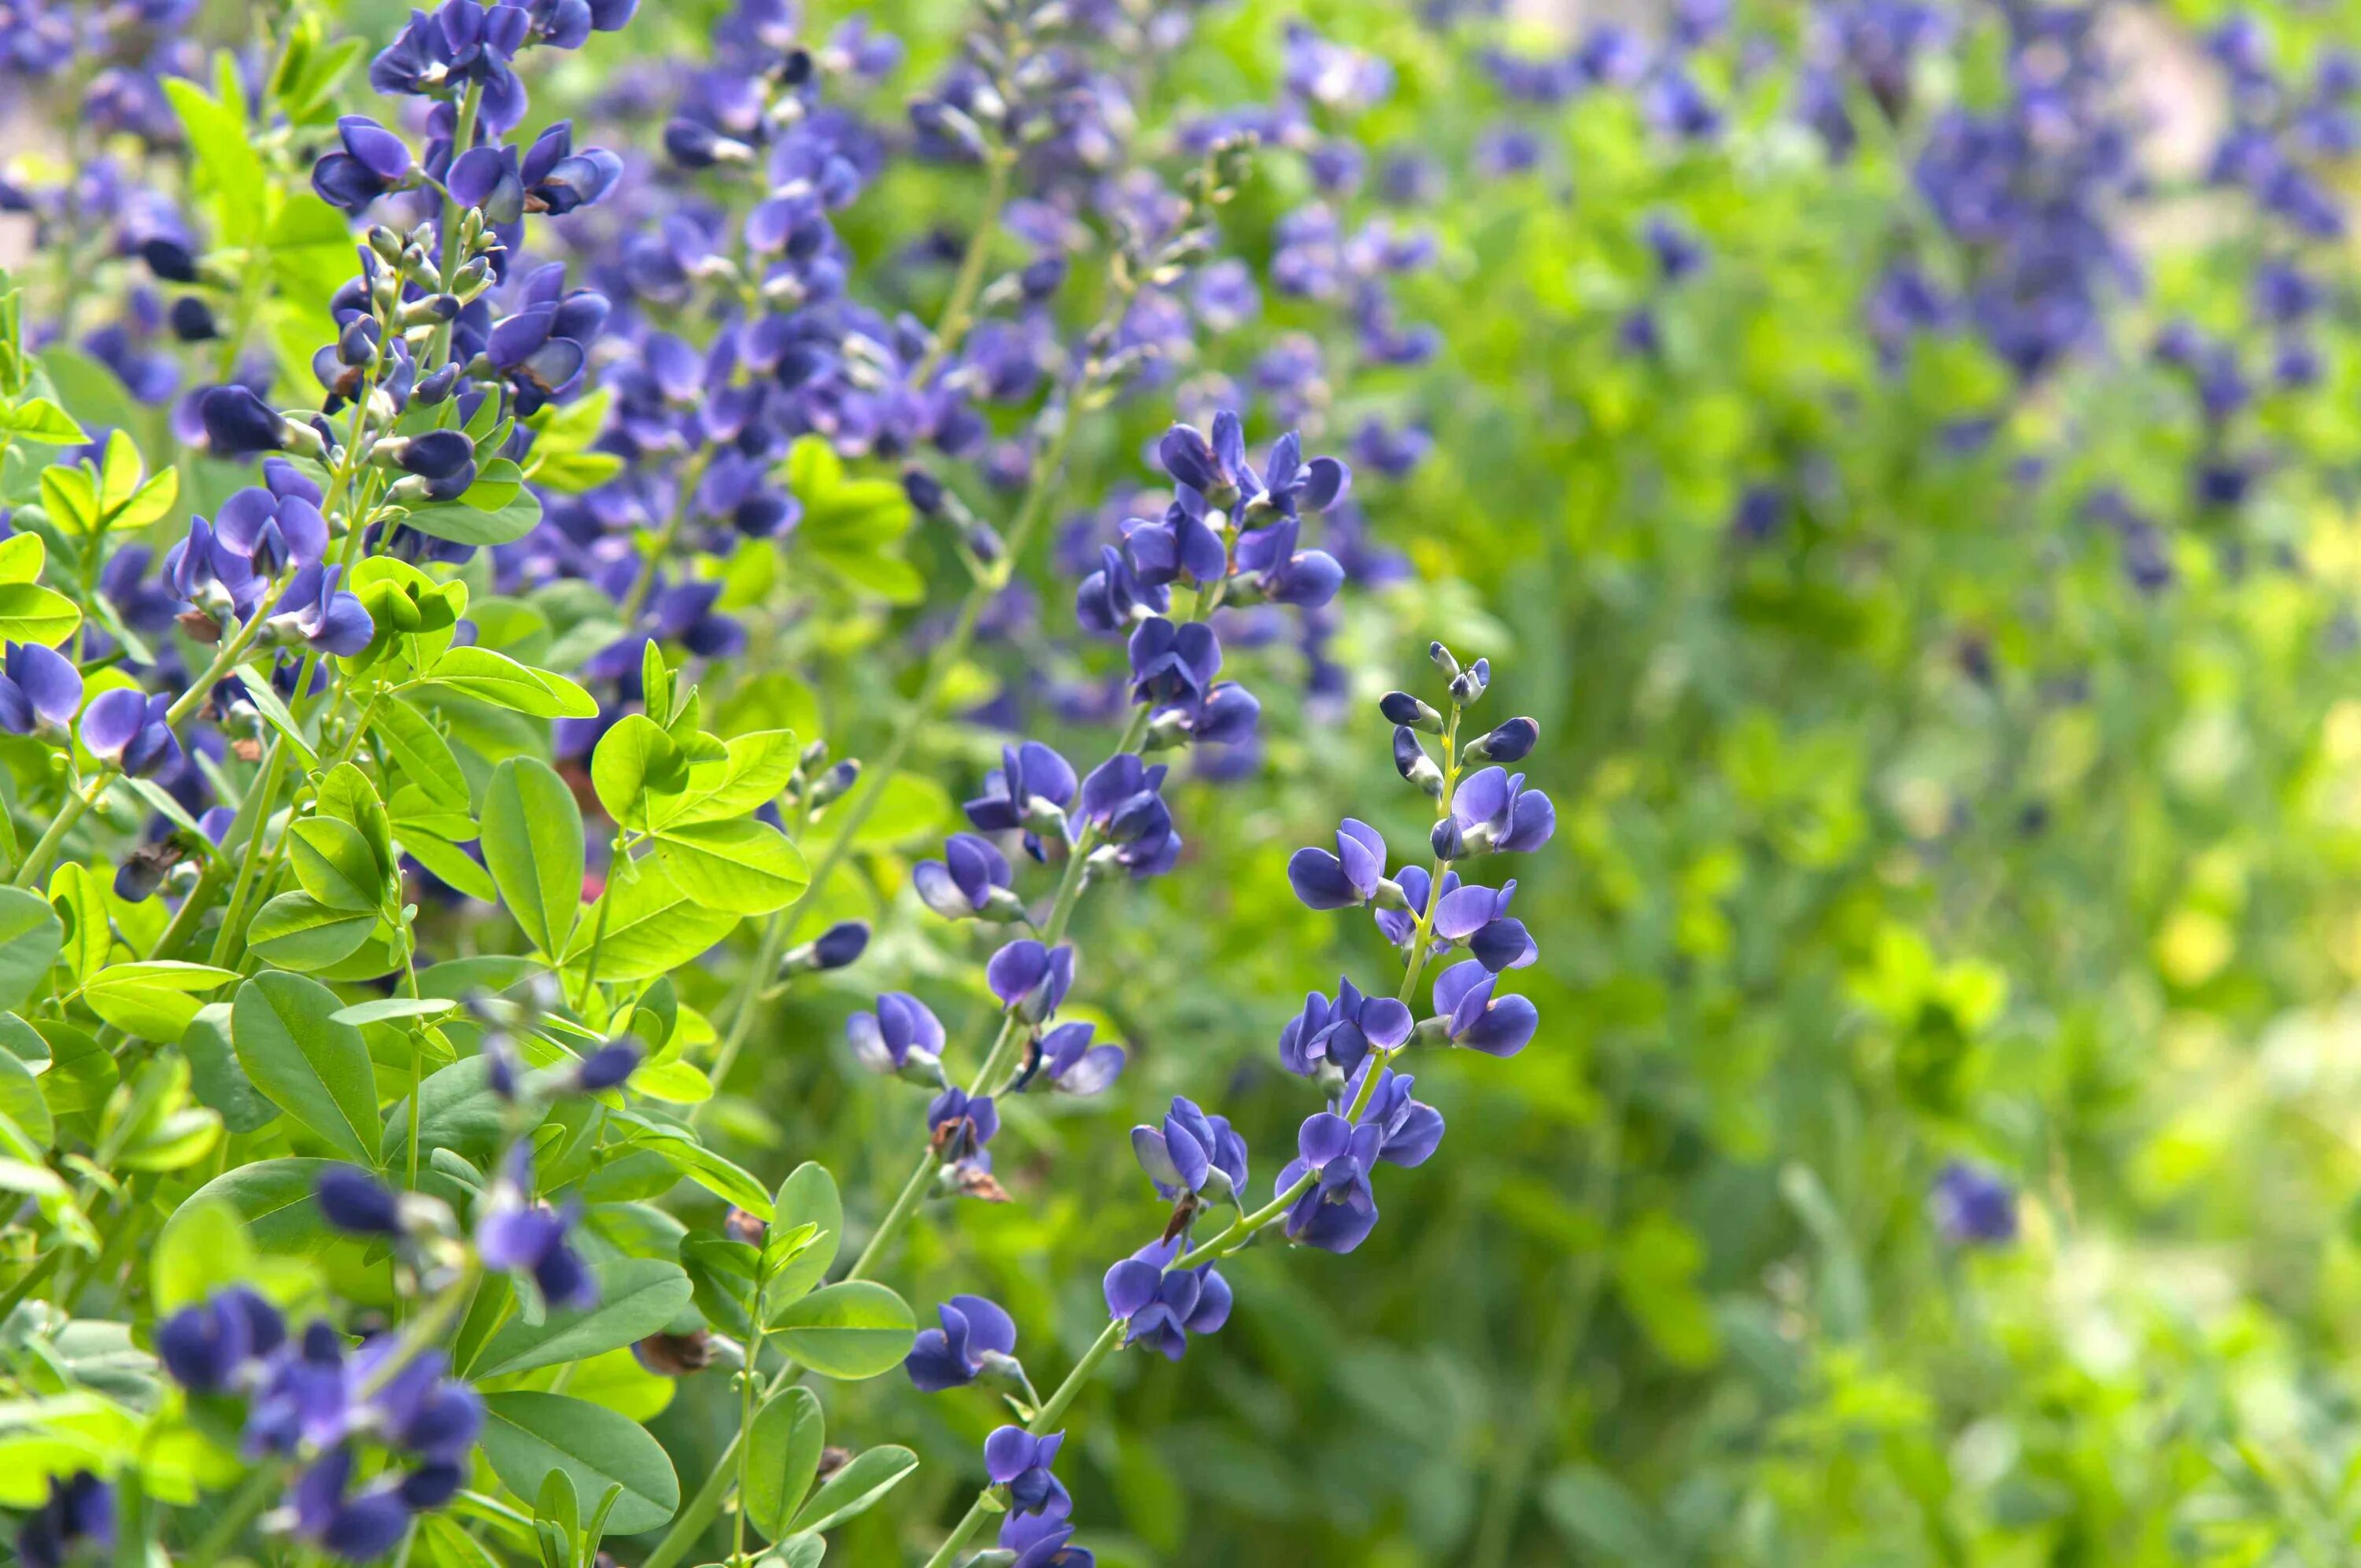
1993 791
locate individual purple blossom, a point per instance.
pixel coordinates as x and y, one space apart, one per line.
211 578
607 1067
1115 595
1163 1305
1191 1152
1173 665
1031 979
1066 1060
463 42
1492 811
1353 876
522 1236
1337 1212
1467 1012
961 1123
1289 485
975 1330
1121 800
354 1201
1041 1541
1217 468
314 612
1410 1131
1029 791
1479 916
1181 547
78 1513
128 727
275 524
304 1399
208 1346
1974 1206
971 880
237 421
1271 568
1398 926
357 1528
902 1034
374 161
38 687
1019 1460
1342 1032
557 180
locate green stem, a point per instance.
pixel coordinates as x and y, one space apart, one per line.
243 1510
264 800
463 136
692 474
69 811
598 933
958 310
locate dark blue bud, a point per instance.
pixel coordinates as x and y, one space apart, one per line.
840 944
351 1200
238 423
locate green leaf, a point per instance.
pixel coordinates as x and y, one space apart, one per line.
652 927
714 1172
450 862
456 1110
808 1197
851 1330
273 708
421 754
22 556
146 505
311 1066
334 863
274 1198
39 419
71 498
227 163
528 1434
782 1451
296 931
499 680
741 865
633 757
215 1076
467 521
22 1102
31 937
637 1297
853 1489
533 844
152 1001
30 613
203 1248
749 777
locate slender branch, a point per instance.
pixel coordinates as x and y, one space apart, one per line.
69 810
692 474
1000 165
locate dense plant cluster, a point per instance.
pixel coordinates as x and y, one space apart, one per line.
662 662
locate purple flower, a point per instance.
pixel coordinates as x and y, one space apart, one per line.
1030 790
1277 571
1508 742
355 1527
522 1236
1468 1015
1019 1460
557 180
1973 1205
1342 1032
374 161
973 1331
1409 1131
1173 664
305 1397
237 423
972 879
1029 979
1479 916
1214 469
315 613
1491 811
1339 1210
1122 799
80 1512
962 1123
356 1202
901 1036
127 728
1067 1061
38 687
1039 1540
276 524
1353 876
1115 595
207 1346
1398 926
1164 1305
1181 547
608 1067
1191 1152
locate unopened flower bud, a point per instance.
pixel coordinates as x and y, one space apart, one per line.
1468 687
1443 660
1400 707
1508 743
